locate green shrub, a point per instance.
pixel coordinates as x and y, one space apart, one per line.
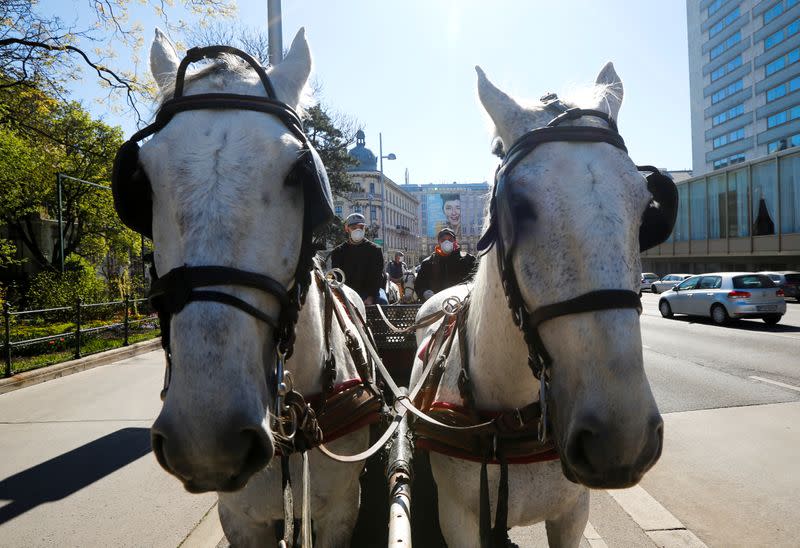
54 289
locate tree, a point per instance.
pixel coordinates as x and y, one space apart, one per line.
39 50
49 136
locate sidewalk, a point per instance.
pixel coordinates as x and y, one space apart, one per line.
76 467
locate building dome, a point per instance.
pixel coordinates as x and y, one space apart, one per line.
367 161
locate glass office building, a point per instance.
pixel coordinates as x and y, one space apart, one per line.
741 210
743 217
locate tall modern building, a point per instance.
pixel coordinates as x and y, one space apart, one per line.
744 78
741 209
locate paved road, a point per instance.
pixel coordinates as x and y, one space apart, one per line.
75 468
728 472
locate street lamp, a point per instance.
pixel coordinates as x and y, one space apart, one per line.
389 156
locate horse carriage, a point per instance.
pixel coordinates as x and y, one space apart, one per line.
520 395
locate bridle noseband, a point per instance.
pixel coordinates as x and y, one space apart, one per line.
539 359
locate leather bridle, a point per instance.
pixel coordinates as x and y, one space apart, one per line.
539 359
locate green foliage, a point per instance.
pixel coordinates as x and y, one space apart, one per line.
52 289
39 137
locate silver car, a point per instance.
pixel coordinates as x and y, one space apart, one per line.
647 279
722 296
668 282
788 280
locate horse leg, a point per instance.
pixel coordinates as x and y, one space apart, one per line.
334 526
241 530
567 529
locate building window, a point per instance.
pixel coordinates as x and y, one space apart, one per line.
729 114
714 7
782 62
338 210
738 219
727 91
776 38
357 208
373 213
716 207
697 197
765 194
733 136
727 20
681 230
732 40
728 67
729 161
783 117
372 188
783 143
773 12
790 194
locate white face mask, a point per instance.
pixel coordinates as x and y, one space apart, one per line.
447 246
357 235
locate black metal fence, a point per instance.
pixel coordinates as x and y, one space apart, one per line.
87 322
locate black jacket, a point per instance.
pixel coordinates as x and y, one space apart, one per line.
439 272
395 270
362 265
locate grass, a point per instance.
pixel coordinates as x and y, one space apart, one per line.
90 344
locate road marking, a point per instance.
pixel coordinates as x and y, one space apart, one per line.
657 522
591 536
776 383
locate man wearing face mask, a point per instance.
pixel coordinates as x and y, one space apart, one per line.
446 266
361 261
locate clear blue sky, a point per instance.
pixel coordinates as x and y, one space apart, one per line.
406 69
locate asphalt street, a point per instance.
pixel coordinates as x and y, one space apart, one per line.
76 470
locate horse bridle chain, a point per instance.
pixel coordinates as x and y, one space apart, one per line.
171 292
539 359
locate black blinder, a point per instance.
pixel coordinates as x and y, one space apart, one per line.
131 190
131 187
658 219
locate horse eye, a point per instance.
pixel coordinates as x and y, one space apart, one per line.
523 210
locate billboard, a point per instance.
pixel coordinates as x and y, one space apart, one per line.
444 210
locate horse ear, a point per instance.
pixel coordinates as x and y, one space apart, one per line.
502 109
291 75
163 60
611 99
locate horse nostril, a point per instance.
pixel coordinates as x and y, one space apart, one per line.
260 452
578 450
157 442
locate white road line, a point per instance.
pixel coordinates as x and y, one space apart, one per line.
657 522
776 383
591 536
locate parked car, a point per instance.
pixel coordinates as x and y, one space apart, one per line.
788 280
725 295
646 279
668 282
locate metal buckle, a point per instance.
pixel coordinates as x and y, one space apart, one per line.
451 305
335 277
518 416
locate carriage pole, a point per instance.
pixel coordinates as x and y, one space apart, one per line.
399 477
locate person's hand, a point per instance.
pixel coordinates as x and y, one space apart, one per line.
369 300
427 295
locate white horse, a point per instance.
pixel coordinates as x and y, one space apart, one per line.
409 296
576 210
220 197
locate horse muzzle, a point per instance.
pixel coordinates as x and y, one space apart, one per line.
223 462
601 458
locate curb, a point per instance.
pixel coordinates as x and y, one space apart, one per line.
207 533
36 376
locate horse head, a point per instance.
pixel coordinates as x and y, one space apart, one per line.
568 222
224 194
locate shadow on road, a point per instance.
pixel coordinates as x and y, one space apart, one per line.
744 325
66 474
